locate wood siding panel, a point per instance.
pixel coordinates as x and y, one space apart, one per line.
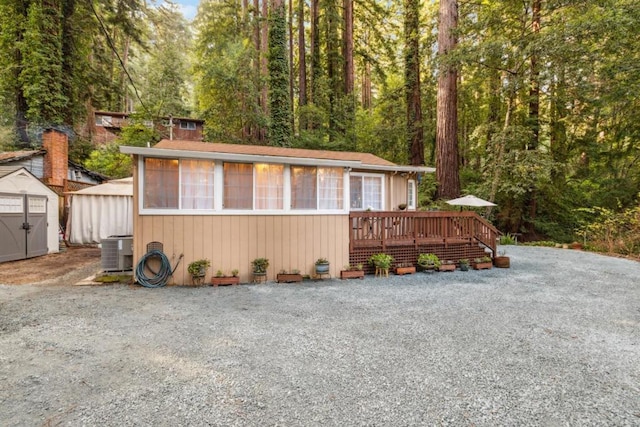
231 242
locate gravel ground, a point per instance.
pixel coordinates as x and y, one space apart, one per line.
554 340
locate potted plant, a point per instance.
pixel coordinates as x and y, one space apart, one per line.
403 268
221 279
322 266
447 266
502 261
428 262
259 269
352 272
464 264
483 263
382 262
198 269
289 277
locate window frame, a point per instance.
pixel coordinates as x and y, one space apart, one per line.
187 125
218 192
412 195
362 175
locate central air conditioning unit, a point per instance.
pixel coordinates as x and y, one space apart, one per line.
117 253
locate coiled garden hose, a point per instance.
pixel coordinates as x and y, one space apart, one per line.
161 277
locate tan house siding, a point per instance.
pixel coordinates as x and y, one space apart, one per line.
396 191
231 242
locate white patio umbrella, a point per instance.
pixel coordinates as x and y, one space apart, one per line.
470 200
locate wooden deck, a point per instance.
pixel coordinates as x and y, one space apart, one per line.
450 235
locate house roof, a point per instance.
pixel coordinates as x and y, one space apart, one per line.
14 156
196 149
126 115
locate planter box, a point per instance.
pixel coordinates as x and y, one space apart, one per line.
222 281
351 274
482 265
447 267
400 271
289 278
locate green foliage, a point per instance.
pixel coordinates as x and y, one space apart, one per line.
507 239
260 265
109 161
198 267
429 261
381 260
612 232
279 106
137 134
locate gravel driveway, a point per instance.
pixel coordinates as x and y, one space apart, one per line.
554 340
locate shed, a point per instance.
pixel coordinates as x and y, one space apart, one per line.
28 215
101 211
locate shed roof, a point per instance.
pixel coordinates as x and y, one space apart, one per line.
14 156
116 187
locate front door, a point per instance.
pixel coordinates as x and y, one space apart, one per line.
23 226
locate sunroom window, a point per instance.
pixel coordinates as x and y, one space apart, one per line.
330 188
269 186
196 177
160 183
303 187
366 192
238 186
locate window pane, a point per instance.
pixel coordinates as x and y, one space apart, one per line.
303 187
269 186
330 188
411 194
160 183
372 192
238 186
355 184
196 178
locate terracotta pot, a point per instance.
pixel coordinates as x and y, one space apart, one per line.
222 281
351 274
404 270
502 262
289 277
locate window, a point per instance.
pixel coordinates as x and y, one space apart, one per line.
77 175
269 186
187 125
366 192
160 183
196 189
11 204
303 187
103 120
238 186
37 205
411 194
330 193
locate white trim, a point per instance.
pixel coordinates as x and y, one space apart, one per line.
413 197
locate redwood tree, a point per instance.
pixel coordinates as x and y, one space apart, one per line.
447 170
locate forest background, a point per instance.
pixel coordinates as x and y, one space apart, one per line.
532 104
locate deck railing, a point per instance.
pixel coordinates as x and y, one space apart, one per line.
382 229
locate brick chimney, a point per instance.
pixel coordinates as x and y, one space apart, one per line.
56 161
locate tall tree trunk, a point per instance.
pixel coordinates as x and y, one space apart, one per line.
279 107
366 86
316 69
293 124
302 62
347 46
257 130
415 131
447 169
264 72
334 72
21 106
534 89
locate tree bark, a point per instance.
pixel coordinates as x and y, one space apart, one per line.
302 61
347 47
415 131
293 124
534 89
447 116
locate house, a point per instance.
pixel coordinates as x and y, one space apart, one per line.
51 165
28 215
234 203
107 126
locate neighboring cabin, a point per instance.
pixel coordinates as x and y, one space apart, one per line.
233 203
108 125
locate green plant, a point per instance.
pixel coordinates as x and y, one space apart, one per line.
219 273
199 267
322 261
429 261
464 261
260 265
235 272
482 259
381 260
508 239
